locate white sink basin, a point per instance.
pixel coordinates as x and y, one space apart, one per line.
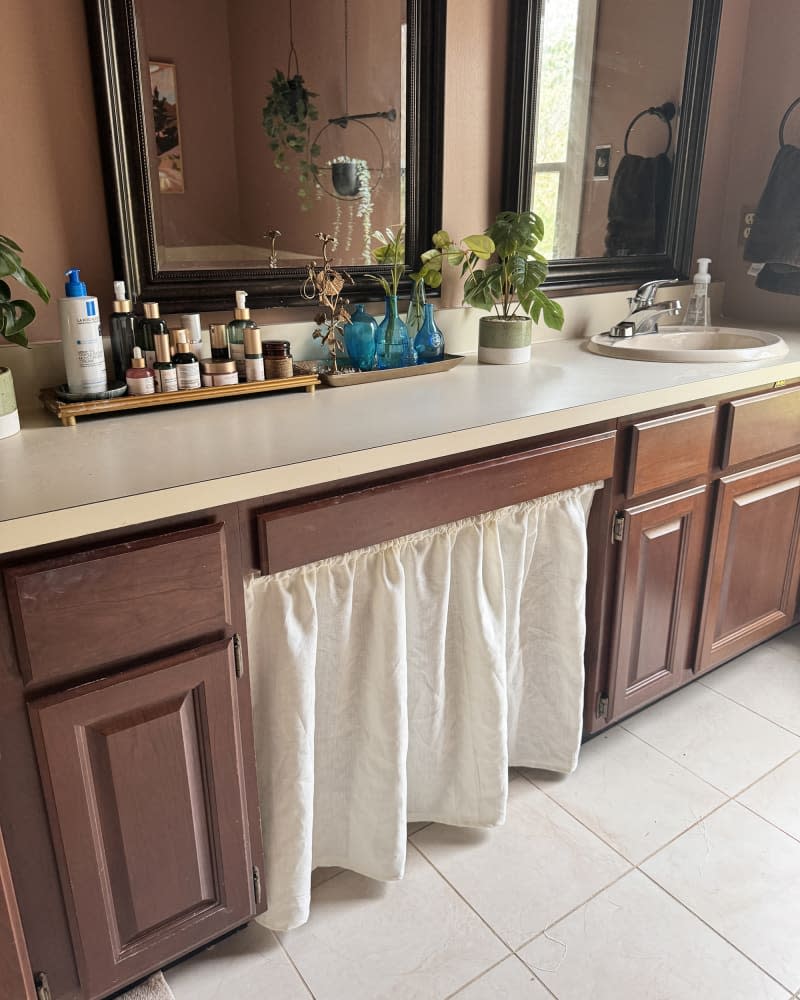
680 343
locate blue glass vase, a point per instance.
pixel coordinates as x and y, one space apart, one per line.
392 347
416 309
429 342
359 339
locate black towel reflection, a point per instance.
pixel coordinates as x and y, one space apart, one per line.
638 205
774 239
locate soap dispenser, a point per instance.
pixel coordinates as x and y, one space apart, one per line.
698 311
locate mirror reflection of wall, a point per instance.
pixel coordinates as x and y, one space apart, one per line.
215 188
601 63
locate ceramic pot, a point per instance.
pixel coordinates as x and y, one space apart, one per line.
9 417
345 179
505 341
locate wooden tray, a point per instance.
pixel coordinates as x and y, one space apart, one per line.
68 413
381 375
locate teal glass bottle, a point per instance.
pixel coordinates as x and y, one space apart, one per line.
429 341
392 347
359 339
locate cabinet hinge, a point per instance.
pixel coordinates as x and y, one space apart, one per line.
618 528
256 885
42 987
602 706
238 659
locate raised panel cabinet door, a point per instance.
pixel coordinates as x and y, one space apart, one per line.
657 598
144 782
754 568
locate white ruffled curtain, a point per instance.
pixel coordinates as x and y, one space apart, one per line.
400 682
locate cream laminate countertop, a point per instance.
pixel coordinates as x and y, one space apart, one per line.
63 482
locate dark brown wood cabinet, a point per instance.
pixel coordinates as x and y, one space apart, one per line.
659 589
754 565
144 781
708 549
128 748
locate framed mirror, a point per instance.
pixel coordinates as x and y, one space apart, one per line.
606 113
233 131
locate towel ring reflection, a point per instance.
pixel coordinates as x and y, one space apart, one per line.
666 112
785 118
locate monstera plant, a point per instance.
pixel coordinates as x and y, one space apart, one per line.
16 314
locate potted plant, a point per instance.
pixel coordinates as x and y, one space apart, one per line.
508 283
352 183
15 316
286 118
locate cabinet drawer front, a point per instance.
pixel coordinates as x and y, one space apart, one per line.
76 614
670 450
295 536
762 425
143 777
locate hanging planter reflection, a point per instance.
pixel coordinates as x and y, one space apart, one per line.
344 177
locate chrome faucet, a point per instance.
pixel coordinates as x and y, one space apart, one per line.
645 311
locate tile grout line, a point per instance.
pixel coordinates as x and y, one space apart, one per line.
722 791
580 822
769 822
466 902
486 971
747 708
569 913
719 934
294 964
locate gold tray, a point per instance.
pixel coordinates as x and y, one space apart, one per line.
383 374
68 413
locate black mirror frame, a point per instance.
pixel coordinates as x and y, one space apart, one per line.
112 35
676 261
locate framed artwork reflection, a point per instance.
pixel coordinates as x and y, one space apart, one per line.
166 126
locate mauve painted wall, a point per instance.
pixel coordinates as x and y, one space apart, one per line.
639 62
51 188
208 209
51 191
770 82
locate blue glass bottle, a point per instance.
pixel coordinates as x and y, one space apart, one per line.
416 309
392 347
359 338
429 342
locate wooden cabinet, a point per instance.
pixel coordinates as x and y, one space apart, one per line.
707 564
144 781
660 585
754 565
128 748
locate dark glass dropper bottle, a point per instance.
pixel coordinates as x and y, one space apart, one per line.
148 326
123 332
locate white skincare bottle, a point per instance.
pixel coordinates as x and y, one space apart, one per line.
81 338
698 311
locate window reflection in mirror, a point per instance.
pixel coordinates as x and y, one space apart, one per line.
601 63
218 186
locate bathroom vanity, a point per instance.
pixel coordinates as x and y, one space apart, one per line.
128 803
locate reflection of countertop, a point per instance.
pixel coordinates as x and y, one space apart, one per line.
58 482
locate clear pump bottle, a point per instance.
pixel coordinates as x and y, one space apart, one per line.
698 311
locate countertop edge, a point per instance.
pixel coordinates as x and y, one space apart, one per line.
73 522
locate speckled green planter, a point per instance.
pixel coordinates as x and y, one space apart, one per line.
504 341
9 418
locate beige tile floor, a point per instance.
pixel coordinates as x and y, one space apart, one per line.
666 868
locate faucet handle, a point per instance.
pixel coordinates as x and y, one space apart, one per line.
644 296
